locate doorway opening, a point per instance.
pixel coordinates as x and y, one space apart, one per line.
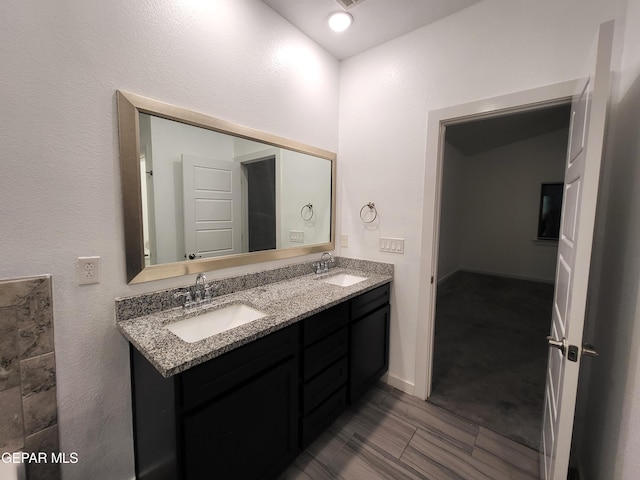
260 177
496 271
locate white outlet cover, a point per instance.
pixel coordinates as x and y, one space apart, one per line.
88 270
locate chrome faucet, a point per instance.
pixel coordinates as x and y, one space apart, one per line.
188 299
323 265
201 279
202 294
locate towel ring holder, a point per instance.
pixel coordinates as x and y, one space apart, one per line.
372 206
309 212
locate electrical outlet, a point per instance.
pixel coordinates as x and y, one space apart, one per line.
88 270
344 240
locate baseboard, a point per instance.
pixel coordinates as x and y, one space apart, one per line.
447 276
506 275
399 383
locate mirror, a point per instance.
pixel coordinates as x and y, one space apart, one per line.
200 193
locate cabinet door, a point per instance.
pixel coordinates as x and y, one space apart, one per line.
251 432
369 355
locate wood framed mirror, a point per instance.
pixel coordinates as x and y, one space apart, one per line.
200 193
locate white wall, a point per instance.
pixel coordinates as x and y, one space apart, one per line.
498 197
492 48
303 180
60 188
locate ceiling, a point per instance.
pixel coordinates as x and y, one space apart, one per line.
481 135
375 21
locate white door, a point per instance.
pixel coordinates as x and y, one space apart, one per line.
212 193
582 175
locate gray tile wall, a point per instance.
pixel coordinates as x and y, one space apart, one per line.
28 407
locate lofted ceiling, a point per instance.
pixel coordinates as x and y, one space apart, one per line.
375 21
378 21
481 135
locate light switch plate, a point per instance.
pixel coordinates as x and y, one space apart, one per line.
296 236
344 240
392 245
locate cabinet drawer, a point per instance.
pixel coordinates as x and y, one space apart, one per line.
368 302
323 323
323 353
316 422
327 382
205 381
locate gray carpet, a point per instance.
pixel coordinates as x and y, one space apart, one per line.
490 353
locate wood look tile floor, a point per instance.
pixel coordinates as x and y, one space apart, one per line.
392 435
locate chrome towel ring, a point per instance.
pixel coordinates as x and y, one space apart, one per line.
372 208
306 212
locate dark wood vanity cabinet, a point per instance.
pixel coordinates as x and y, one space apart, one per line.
248 433
369 340
235 416
247 413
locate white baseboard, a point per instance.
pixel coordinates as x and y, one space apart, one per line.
448 275
399 383
506 275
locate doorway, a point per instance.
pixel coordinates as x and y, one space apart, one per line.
260 176
495 270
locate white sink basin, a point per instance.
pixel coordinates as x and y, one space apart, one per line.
343 279
210 323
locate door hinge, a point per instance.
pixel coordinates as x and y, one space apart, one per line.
431 279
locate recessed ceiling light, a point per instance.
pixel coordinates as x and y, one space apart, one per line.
340 21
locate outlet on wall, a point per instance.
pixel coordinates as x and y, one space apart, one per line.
88 270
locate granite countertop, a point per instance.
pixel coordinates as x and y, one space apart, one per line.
285 302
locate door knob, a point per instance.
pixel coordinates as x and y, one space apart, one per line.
589 350
559 344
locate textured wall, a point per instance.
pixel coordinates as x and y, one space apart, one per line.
62 62
28 416
492 48
501 201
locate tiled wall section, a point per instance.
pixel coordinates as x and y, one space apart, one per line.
28 413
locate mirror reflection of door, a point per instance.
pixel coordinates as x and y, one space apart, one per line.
212 196
260 176
147 192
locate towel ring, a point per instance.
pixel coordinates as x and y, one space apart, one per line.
309 213
372 206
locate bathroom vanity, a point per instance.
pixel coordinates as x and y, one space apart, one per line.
245 402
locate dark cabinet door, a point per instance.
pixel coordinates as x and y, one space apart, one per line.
369 355
250 432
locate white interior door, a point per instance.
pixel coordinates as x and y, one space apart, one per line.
586 140
212 196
